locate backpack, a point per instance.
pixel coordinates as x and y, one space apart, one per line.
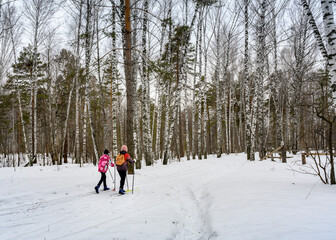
120 159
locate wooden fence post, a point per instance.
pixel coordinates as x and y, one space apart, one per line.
303 157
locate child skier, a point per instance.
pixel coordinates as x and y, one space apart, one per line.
104 161
122 165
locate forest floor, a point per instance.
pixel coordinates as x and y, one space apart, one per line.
225 198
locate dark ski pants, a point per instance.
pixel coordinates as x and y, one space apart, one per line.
102 180
122 175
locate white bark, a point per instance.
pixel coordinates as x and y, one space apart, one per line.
205 112
145 92
330 33
88 51
79 158
114 84
247 105
328 48
218 94
14 44
201 88
195 122
168 98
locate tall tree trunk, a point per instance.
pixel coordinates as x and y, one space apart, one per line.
102 96
145 93
137 124
328 50
79 159
114 75
260 71
88 48
205 113
201 89
65 129
167 92
247 91
195 121
218 94
129 83
18 96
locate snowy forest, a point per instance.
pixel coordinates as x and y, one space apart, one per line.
169 78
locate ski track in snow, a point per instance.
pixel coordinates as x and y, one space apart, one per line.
42 204
192 221
195 222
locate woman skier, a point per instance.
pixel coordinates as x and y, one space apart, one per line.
122 165
104 161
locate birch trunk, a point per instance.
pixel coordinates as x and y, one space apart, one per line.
18 95
114 90
201 89
167 96
65 129
247 92
218 96
88 39
328 49
195 122
79 158
330 33
102 97
136 67
205 112
145 91
260 71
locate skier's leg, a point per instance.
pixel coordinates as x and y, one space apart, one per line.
100 182
101 179
104 180
122 179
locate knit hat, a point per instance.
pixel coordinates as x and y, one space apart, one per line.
124 148
106 151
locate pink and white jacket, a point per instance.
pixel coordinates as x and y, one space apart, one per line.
104 161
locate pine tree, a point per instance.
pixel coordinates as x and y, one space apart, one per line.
38 14
23 71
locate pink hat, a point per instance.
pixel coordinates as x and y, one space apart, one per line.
124 148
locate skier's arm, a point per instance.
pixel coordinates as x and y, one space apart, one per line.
129 159
111 163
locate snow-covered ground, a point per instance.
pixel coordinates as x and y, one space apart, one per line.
226 198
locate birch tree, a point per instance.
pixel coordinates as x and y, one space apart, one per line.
218 84
145 91
114 83
89 34
247 93
38 14
14 34
79 158
327 48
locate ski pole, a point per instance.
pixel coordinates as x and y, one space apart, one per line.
112 178
133 179
115 176
111 175
127 181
